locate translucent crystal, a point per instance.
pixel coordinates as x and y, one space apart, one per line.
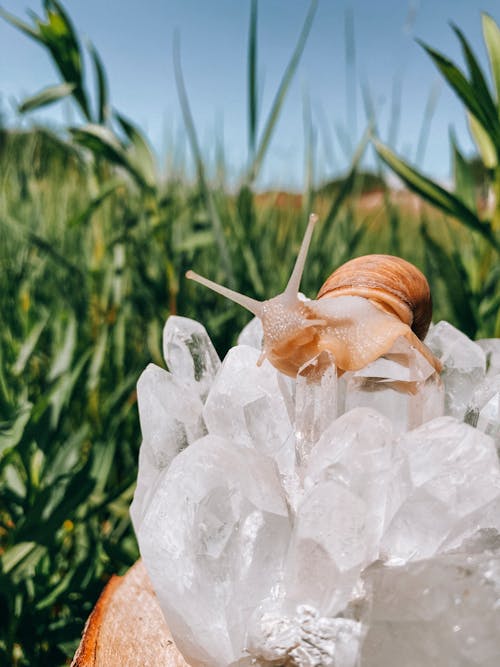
357 452
464 365
246 403
443 612
171 418
189 353
213 539
252 334
483 411
454 475
315 402
401 385
491 348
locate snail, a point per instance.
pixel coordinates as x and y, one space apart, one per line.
360 311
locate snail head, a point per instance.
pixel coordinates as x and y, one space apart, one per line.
288 323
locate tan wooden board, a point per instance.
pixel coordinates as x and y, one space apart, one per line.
127 628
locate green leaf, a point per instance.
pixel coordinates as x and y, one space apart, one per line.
465 188
281 94
60 395
97 361
28 346
200 168
23 27
46 96
104 144
102 85
448 267
101 141
54 593
467 93
491 34
21 557
62 361
142 153
64 47
347 185
195 241
84 216
12 432
483 142
435 194
478 80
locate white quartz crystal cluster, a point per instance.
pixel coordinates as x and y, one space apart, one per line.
318 521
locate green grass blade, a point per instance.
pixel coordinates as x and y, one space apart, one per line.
84 216
143 155
448 268
11 432
22 26
491 34
466 92
478 80
102 86
103 143
281 94
435 194
200 167
483 142
62 361
465 188
348 183
253 101
423 136
46 96
64 46
28 346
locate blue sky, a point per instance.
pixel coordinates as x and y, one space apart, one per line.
135 39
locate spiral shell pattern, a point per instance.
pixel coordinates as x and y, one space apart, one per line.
391 282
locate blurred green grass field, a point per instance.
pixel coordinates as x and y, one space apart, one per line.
94 245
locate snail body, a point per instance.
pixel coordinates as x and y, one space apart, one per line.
361 310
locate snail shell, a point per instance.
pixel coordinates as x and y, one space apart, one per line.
398 286
361 311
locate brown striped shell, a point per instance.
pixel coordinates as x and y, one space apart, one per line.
391 282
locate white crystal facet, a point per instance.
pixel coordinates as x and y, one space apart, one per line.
483 411
189 353
491 348
401 385
213 542
252 334
443 612
454 473
464 365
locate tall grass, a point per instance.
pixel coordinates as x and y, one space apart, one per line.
94 245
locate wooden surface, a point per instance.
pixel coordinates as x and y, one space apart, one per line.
127 628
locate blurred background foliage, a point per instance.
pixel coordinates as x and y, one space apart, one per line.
95 238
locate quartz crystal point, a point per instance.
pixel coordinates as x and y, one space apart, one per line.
491 348
189 353
484 408
464 365
453 476
317 521
401 385
252 334
442 611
